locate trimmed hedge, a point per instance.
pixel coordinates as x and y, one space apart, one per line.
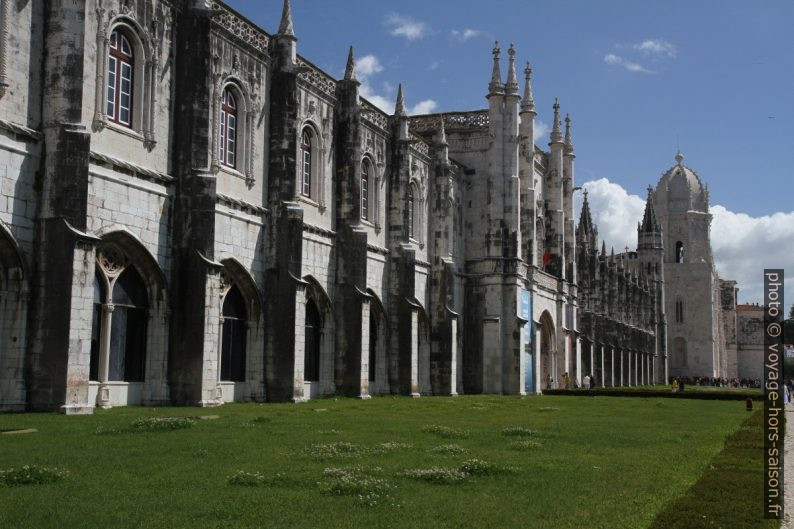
615 392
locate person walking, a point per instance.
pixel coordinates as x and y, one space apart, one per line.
675 385
566 379
586 382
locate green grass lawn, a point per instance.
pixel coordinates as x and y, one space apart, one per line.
569 463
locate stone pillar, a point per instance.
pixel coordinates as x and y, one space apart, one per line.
103 394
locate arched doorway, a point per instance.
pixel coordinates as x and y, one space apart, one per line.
318 346
313 342
234 335
548 350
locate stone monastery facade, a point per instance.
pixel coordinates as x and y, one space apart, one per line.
192 213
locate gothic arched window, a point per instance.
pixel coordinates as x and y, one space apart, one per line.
411 212
365 213
234 336
128 328
679 252
121 65
227 129
313 328
306 163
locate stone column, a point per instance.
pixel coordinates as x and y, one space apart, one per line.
103 394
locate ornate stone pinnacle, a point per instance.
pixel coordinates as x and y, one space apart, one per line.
496 86
568 141
556 132
285 28
350 69
511 87
528 101
399 108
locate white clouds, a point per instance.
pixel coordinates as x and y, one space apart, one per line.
403 26
654 50
617 60
656 47
423 107
541 132
368 65
614 211
742 245
465 34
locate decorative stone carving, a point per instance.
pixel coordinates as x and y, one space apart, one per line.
240 29
111 259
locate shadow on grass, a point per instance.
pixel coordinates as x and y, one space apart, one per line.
730 493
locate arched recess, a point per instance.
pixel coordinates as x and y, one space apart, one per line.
241 348
319 340
128 364
13 320
548 351
378 329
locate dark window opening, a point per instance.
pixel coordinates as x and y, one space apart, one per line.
313 340
234 337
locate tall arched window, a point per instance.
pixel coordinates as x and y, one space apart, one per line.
121 64
227 131
679 252
96 327
313 327
234 336
306 163
365 190
411 218
128 328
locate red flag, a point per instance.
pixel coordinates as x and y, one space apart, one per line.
546 258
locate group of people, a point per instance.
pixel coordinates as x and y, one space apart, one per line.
720 382
588 382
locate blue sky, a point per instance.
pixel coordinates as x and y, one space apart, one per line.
638 77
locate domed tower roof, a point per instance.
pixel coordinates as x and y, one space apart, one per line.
681 188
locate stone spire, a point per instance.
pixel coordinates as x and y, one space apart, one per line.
528 101
399 108
495 86
556 132
649 224
511 86
585 220
603 248
285 28
568 141
350 69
